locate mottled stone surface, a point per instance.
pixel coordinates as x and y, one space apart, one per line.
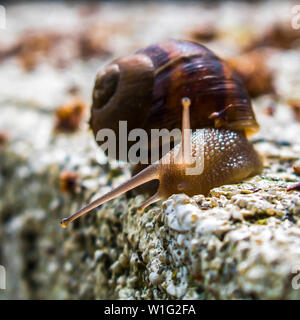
240 242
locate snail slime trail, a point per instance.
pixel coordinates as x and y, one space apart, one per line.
176 84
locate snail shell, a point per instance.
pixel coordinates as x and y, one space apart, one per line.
145 89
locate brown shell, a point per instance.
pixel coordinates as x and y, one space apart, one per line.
188 69
176 69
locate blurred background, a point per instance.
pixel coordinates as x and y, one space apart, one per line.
50 52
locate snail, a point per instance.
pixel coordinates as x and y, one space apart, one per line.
160 87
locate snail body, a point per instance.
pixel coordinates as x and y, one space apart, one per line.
240 161
159 87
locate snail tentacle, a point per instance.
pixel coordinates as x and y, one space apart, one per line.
156 197
148 174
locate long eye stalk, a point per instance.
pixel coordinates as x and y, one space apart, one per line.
186 131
